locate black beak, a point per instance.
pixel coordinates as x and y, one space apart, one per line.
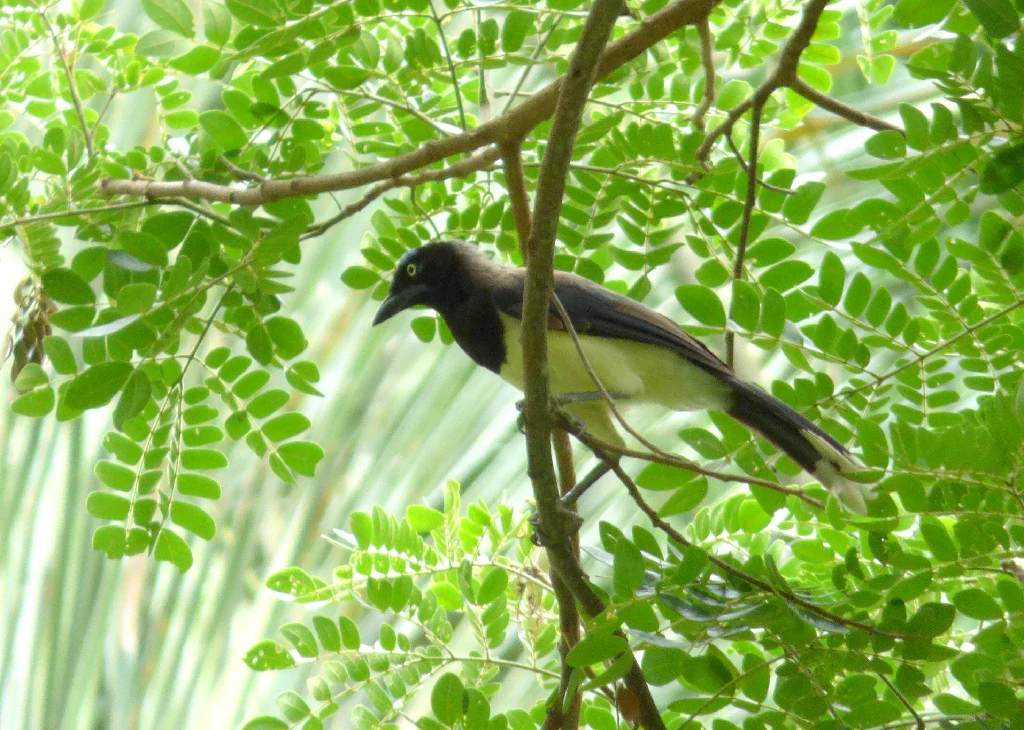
399 301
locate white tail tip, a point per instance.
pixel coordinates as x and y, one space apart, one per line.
853 495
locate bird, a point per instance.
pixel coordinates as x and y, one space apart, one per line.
639 355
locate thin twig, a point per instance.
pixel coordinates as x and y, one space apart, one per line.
596 445
451 66
659 523
529 67
707 61
902 699
239 172
743 166
462 168
573 495
748 211
76 100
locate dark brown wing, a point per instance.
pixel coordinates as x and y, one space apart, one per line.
599 312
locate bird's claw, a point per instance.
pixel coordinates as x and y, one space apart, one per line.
566 420
570 525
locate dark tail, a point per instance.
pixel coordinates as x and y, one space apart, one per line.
806 444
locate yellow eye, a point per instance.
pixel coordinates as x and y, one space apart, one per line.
410 269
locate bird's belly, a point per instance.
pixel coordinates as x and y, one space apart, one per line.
628 370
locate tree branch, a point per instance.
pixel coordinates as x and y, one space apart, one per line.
785 75
538 416
515 182
510 126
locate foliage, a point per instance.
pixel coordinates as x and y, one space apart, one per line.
887 298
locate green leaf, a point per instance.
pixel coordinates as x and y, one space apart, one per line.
978 604
110 540
134 398
327 633
203 459
107 506
785 276
887 145
999 700
285 426
199 59
145 247
346 76
194 519
97 385
301 456
702 303
629 568
161 43
114 475
662 664
256 12
226 133
873 713
59 353
259 344
423 518
1005 170
301 638
267 403
198 485
287 337
67 287
831 279
265 722
932 619
798 208
268 655
517 25
916 125
216 23
31 376
34 404
172 549
745 307
174 15
493 585
917 13
937 538
446 698
596 648
349 633
999 18
359 277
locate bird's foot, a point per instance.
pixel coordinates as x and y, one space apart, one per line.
569 524
565 420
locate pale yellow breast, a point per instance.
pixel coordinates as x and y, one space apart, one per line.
632 371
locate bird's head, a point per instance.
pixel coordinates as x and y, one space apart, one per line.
431 275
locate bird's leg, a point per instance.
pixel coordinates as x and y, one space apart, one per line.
566 399
572 496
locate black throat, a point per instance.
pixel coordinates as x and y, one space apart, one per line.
477 329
